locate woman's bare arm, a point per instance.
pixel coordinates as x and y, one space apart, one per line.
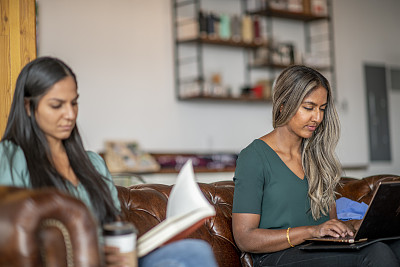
250 238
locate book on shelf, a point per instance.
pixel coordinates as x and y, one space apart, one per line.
187 209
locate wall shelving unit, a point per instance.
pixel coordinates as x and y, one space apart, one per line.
194 86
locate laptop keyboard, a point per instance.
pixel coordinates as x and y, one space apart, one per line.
346 239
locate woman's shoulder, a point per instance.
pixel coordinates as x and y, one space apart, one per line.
258 154
251 154
98 163
13 166
9 150
256 147
6 144
93 155
95 158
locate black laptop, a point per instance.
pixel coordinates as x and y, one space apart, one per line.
380 222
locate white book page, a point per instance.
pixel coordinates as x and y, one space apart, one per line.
185 195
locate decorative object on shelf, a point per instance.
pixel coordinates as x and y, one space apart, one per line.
279 54
202 20
250 31
202 162
247 29
307 6
277 4
319 7
217 87
126 156
266 88
225 27
236 28
286 52
295 6
315 7
262 90
212 25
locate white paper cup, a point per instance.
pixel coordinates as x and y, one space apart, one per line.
122 235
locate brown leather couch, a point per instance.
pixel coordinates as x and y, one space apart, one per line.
44 227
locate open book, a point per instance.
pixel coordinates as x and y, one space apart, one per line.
187 209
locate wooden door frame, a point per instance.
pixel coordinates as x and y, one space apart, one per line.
17 48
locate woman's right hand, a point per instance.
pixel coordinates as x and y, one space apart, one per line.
114 258
333 227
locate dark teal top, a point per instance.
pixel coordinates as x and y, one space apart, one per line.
264 185
14 172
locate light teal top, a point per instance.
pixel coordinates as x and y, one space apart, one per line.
14 172
264 185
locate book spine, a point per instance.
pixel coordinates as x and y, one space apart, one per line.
236 28
202 24
224 27
307 6
257 29
210 26
216 21
247 29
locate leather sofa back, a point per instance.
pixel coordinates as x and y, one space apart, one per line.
144 205
46 226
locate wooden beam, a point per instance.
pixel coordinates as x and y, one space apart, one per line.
17 48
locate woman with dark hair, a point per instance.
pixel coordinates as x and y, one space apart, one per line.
285 181
41 147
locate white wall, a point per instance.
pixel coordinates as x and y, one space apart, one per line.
365 32
121 51
122 54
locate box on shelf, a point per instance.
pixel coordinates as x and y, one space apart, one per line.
188 28
319 7
126 156
278 4
295 6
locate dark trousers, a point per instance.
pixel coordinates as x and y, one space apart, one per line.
385 254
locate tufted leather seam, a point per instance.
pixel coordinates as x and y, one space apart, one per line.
67 240
146 212
229 241
128 202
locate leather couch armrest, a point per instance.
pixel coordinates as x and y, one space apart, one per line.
362 190
46 228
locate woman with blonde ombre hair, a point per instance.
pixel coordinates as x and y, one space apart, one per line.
285 182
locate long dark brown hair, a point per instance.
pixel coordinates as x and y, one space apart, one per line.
34 81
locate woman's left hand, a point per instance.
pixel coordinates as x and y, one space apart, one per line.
354 225
333 227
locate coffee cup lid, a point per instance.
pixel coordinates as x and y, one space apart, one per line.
119 228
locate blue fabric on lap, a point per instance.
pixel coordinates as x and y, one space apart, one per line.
348 209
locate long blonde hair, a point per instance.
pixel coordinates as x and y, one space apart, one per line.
319 160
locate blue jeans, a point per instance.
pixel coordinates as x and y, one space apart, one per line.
182 253
379 254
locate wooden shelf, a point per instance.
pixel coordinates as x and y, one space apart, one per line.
198 170
277 13
172 162
191 40
224 99
221 42
269 65
282 66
